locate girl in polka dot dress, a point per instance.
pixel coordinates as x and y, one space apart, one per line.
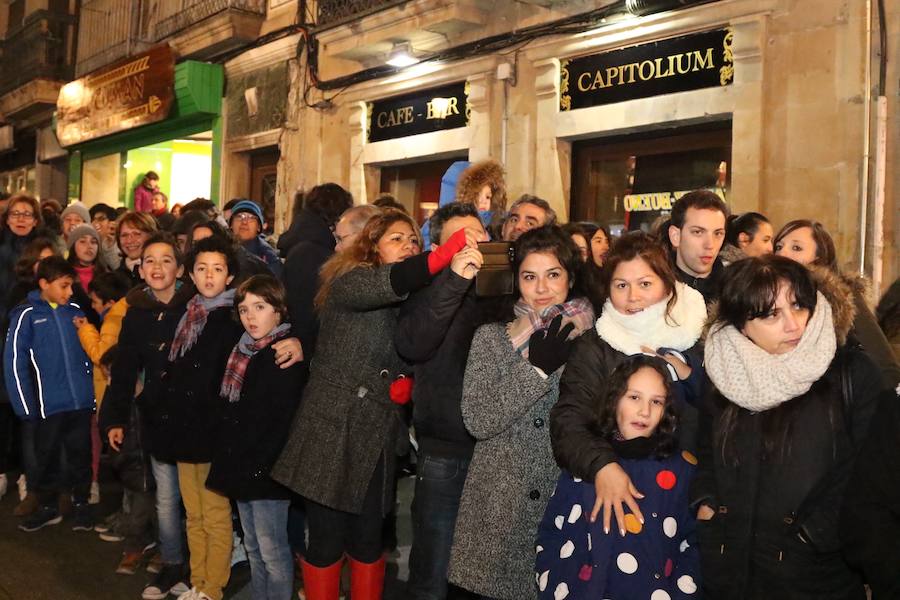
653 560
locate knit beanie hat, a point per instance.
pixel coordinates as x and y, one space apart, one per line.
80 232
79 209
247 206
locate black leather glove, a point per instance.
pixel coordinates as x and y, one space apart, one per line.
549 350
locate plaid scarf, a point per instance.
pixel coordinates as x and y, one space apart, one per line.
240 357
528 320
194 320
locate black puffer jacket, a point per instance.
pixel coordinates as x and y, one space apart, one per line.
253 430
775 531
190 408
147 332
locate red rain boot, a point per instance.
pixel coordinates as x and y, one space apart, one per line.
366 580
322 583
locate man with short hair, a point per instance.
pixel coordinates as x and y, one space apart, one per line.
434 331
351 224
528 212
696 233
103 218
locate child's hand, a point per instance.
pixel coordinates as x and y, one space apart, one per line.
681 367
705 513
79 322
116 436
614 488
288 352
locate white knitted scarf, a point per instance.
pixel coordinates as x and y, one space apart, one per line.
756 380
651 327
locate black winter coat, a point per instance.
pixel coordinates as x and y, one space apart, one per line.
313 244
190 408
576 445
133 275
434 333
870 522
147 332
253 430
710 286
775 532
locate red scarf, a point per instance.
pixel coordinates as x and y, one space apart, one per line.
240 357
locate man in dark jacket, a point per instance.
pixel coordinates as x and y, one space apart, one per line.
313 244
434 332
696 233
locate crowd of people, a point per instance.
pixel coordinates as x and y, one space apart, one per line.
708 409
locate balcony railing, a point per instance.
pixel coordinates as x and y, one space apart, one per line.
174 16
107 31
37 50
335 12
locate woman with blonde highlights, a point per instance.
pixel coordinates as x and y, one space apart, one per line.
340 453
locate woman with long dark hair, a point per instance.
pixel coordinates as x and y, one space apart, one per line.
511 383
792 401
340 455
810 244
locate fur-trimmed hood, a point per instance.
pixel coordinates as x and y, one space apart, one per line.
486 172
837 288
731 254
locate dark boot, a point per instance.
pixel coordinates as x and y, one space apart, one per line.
366 580
322 583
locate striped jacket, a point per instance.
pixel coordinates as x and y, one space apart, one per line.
46 369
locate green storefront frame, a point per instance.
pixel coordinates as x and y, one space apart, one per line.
197 108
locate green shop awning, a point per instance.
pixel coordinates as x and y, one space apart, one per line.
198 103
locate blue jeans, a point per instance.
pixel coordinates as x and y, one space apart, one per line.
266 541
439 487
168 512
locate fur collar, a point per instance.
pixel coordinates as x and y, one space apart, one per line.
837 288
652 328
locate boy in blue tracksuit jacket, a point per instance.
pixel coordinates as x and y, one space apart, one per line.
48 378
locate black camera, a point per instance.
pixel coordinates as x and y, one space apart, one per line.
496 275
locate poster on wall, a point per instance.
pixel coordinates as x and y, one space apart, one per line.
679 64
129 93
425 111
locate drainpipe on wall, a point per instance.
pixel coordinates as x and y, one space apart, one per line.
867 102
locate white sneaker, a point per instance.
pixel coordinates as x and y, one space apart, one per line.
191 594
23 487
95 493
4 484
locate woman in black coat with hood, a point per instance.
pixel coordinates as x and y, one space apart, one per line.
791 403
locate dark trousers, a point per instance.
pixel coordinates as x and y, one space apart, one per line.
439 487
138 524
296 526
332 533
68 432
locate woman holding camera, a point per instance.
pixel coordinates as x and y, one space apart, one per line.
511 382
791 405
340 455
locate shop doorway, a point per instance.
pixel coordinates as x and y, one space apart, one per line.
263 179
416 186
184 167
630 182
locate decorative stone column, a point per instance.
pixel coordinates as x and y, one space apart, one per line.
479 118
359 126
552 156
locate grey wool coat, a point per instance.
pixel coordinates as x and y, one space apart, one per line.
506 406
346 420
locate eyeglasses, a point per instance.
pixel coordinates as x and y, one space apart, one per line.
18 214
244 217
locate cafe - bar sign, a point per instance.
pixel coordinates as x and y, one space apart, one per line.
678 64
129 93
426 111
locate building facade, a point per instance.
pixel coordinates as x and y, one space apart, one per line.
611 110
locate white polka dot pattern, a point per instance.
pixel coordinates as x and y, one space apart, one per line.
567 549
660 595
575 513
542 580
627 563
561 591
686 584
670 527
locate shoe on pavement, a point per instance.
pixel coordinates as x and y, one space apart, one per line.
130 562
4 484
112 536
27 506
94 498
108 523
42 517
84 518
194 594
22 484
170 580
